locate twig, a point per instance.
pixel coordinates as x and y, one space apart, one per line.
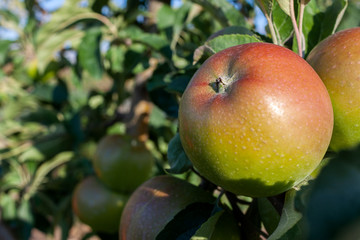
296 29
301 20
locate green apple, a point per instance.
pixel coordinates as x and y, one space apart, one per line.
122 163
337 61
98 206
255 119
155 203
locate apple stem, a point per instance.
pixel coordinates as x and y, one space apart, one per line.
296 29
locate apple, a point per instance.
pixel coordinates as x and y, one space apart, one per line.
155 203
255 119
337 61
98 206
122 163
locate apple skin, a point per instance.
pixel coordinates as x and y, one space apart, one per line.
337 61
261 130
98 206
155 203
121 163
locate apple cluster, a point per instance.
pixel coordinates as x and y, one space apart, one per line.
121 164
256 119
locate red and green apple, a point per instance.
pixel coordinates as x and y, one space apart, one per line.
255 119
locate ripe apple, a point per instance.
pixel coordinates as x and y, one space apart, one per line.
98 206
155 203
122 163
337 61
255 119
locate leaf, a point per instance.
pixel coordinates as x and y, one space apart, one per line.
45 148
320 21
221 225
179 162
225 13
89 53
186 222
155 41
60 94
8 206
179 23
60 20
207 229
24 212
9 16
178 83
165 17
265 6
4 48
53 43
351 17
332 203
289 217
116 57
268 214
222 42
44 169
282 24
285 6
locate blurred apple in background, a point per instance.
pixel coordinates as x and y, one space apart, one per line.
337 61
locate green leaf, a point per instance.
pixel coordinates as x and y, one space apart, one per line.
351 17
8 206
44 169
24 212
179 162
285 6
53 43
60 20
268 214
289 217
178 84
332 203
45 148
165 17
266 6
207 229
154 41
221 225
89 53
187 221
222 42
4 48
9 16
321 19
225 13
116 57
282 24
